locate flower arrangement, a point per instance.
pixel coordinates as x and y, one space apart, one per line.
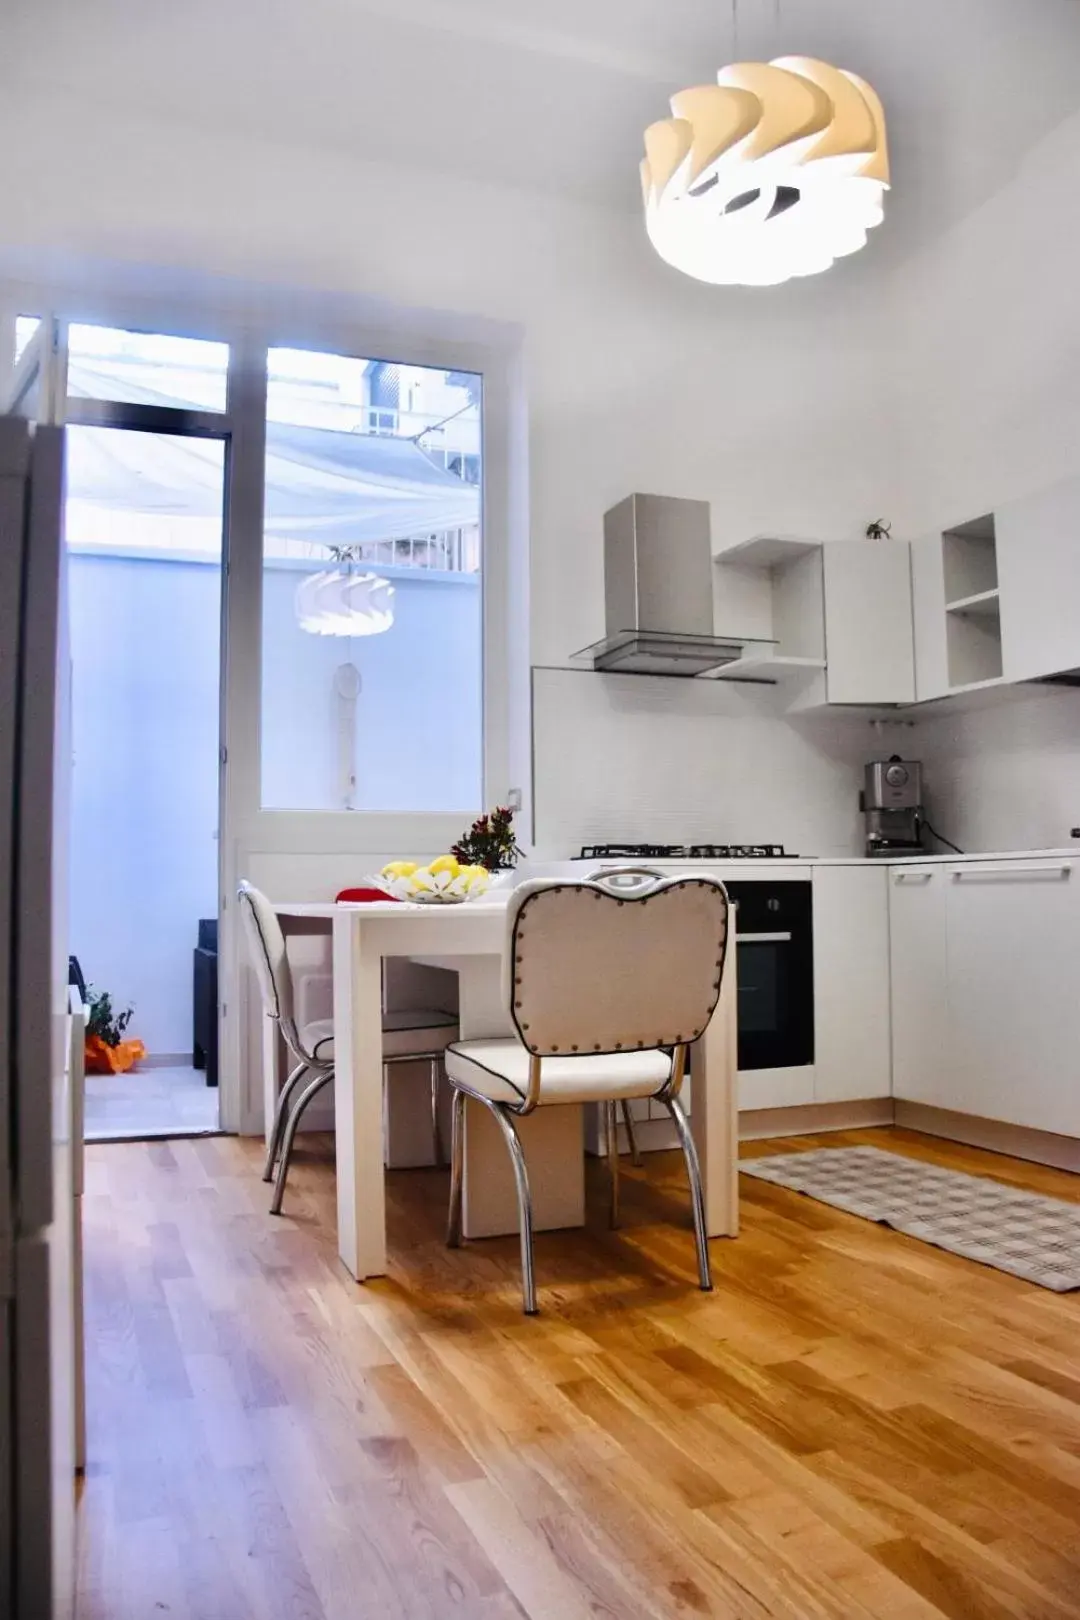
490 842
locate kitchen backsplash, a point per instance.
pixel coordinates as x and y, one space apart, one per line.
1006 776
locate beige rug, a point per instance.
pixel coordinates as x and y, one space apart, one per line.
1033 1237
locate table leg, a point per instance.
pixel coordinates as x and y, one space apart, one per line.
552 1138
358 1100
714 1116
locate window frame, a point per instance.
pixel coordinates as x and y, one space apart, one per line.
303 845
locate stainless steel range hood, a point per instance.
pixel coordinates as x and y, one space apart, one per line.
658 591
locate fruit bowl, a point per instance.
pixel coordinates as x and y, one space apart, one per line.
445 882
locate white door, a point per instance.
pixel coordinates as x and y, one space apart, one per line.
1038 561
920 1012
306 714
868 636
928 614
1014 1012
851 983
35 779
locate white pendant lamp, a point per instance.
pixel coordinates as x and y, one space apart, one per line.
344 602
775 171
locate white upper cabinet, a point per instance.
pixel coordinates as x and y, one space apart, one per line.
837 616
1038 558
928 614
869 652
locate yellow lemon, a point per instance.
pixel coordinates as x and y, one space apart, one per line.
474 874
445 863
399 869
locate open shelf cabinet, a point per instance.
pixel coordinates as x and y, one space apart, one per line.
972 603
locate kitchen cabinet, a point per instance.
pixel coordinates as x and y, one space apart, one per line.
919 962
869 651
1013 931
1038 555
837 615
928 617
985 1011
851 983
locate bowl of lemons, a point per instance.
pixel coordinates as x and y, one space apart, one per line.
444 882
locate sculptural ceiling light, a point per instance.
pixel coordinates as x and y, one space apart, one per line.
342 601
775 171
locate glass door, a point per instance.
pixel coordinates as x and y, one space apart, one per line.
144 515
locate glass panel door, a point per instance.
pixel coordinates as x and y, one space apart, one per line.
144 532
372 668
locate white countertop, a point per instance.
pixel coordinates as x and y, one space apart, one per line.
539 868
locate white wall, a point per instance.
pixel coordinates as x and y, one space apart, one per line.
810 408
987 343
144 636
1006 776
629 758
144 789
637 378
988 385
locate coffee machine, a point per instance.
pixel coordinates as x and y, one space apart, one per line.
891 801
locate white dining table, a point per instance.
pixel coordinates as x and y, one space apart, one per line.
470 940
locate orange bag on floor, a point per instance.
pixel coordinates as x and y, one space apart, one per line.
101 1058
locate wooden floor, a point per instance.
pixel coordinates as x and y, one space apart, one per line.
854 1424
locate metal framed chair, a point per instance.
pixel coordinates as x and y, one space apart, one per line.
409 1036
608 982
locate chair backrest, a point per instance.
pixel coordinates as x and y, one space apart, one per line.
269 958
598 967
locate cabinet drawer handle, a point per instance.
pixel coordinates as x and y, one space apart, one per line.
913 877
1055 873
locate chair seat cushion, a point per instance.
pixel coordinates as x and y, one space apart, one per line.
406 1032
500 1070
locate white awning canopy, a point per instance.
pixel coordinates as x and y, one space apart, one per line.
324 487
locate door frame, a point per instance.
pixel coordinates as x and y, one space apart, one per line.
180 422
355 840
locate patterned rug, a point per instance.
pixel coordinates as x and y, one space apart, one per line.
1032 1237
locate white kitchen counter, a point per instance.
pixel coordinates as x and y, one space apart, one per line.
784 865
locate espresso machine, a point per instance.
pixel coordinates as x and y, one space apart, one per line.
891 802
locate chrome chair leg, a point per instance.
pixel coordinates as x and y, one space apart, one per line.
611 1133
521 1177
697 1198
457 1165
281 1109
306 1095
436 1133
631 1134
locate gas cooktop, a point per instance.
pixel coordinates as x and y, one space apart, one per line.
683 852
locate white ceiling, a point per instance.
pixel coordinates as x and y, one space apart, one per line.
554 97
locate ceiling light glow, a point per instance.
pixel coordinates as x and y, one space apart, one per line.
776 171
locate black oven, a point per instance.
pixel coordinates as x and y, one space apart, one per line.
774 923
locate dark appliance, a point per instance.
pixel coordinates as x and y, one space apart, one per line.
775 935
204 1038
775 938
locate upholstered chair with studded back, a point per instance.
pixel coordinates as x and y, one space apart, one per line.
608 981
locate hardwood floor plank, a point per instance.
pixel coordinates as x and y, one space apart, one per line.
853 1426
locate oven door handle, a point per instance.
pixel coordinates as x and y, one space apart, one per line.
749 937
